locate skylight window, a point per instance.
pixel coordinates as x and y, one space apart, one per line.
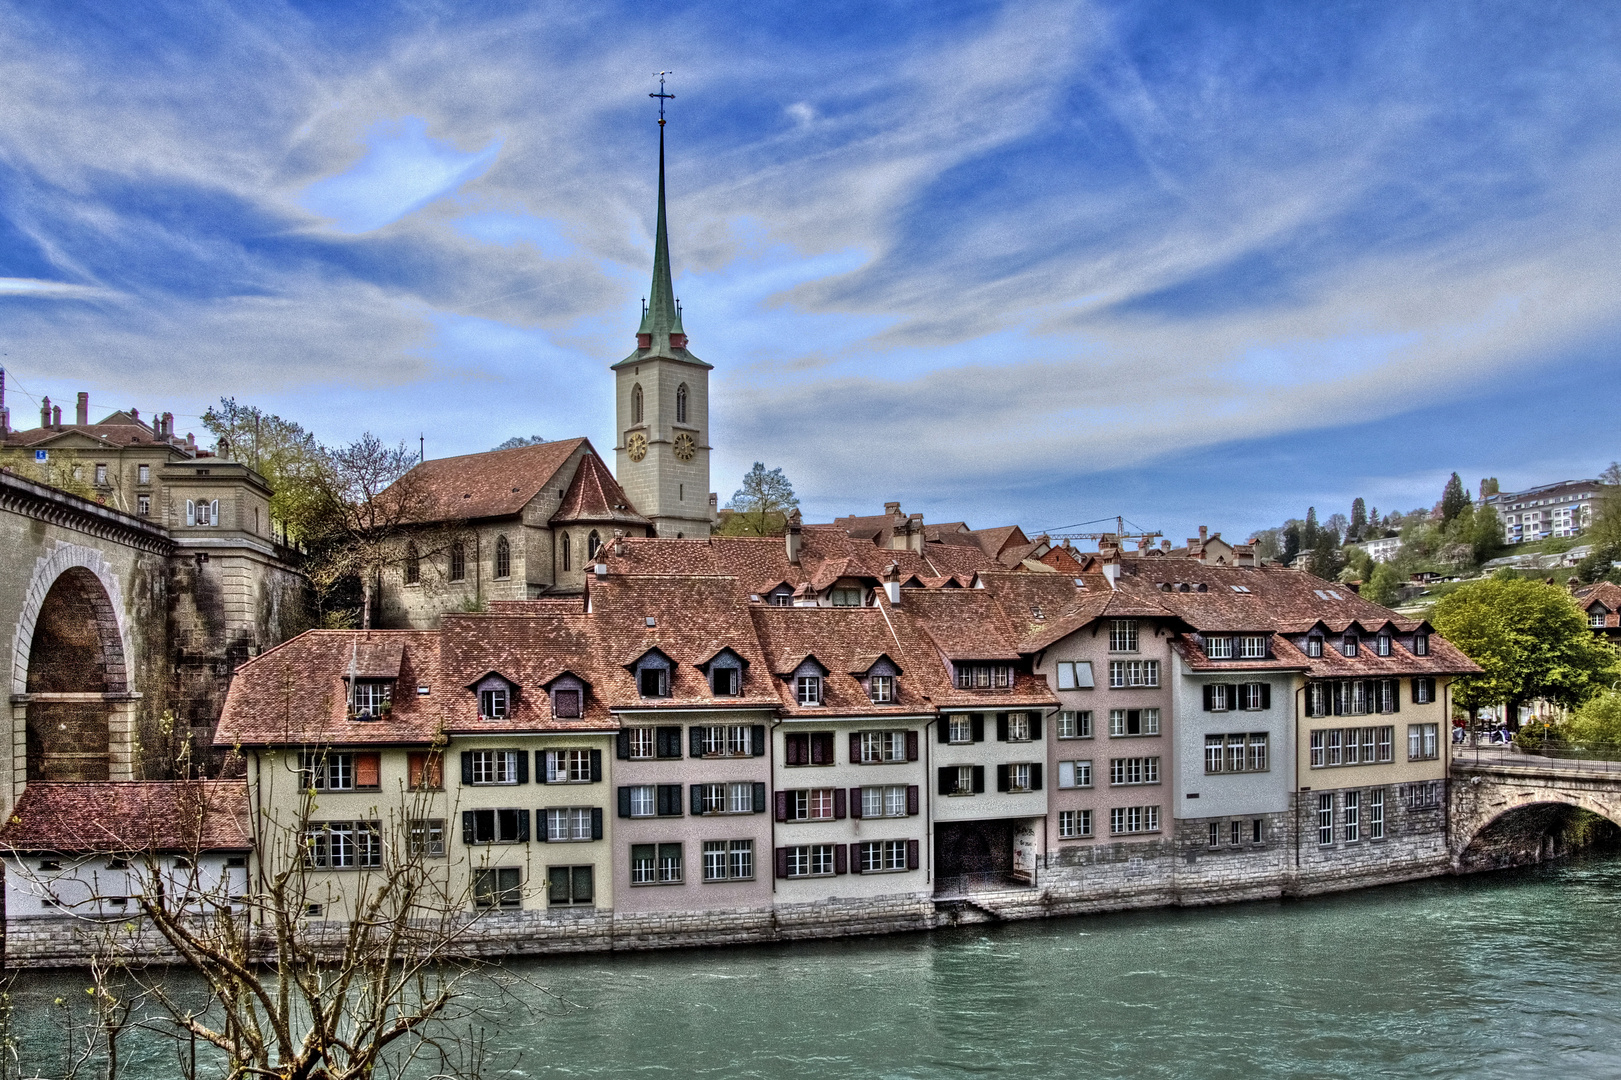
1240 588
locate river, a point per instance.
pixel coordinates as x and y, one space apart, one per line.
1511 974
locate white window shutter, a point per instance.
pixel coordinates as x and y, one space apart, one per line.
191 512
214 513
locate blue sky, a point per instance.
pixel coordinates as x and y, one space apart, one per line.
1034 262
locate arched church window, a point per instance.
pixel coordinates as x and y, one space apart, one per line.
566 560
592 542
681 404
413 564
503 557
636 404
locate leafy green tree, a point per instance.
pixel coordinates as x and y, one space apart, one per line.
1531 639
1488 486
762 504
1597 722
1599 563
1310 531
1453 500
1359 520
1291 542
520 440
1485 535
1606 526
1327 560
282 452
1383 586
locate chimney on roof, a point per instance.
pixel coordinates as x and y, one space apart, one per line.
222 449
794 536
168 425
82 412
914 533
892 583
1204 533
191 442
892 509
619 543
1165 546
45 413
1244 555
56 416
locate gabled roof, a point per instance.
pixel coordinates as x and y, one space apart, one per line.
846 642
130 817
296 693
497 483
595 496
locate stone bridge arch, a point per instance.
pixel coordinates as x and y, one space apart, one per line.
72 700
1507 814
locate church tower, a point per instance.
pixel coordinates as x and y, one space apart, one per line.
661 394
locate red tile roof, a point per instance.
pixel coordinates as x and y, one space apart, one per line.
130 817
846 642
493 484
296 693
595 496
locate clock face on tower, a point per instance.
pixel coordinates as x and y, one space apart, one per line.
685 447
636 446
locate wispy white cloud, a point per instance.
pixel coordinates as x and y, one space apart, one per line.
403 170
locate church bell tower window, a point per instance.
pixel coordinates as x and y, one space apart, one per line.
681 404
636 404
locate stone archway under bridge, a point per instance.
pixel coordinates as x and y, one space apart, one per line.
1521 808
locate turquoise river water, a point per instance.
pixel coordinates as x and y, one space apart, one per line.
1513 974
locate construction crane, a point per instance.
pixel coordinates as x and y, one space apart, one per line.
1118 537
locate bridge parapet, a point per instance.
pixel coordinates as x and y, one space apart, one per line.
1488 787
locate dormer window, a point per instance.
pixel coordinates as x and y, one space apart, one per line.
1218 648
653 682
372 698
881 689
1382 644
808 689
1348 645
1252 647
846 596
781 596
983 676
724 671
494 703
567 703
1595 618
1421 644
1314 646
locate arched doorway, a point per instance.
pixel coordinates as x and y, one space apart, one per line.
76 680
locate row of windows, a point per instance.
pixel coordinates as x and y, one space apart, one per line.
1354 826
680 404
1350 644
457 568
1357 697
970 779
1239 752
1123 723
1248 646
1234 833
1372 745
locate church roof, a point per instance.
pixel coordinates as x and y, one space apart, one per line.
596 496
497 483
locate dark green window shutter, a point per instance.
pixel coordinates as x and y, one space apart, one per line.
622 745
978 724
523 766
759 797
911 746
467 766
523 824
695 741
1035 726
757 740
1395 695
1266 695
624 802
1001 727
696 793
1035 777
668 741
1002 782
948 781
596 823
1209 697
467 824
596 766
979 779
942 729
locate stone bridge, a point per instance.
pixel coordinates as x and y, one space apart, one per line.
121 634
1509 808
